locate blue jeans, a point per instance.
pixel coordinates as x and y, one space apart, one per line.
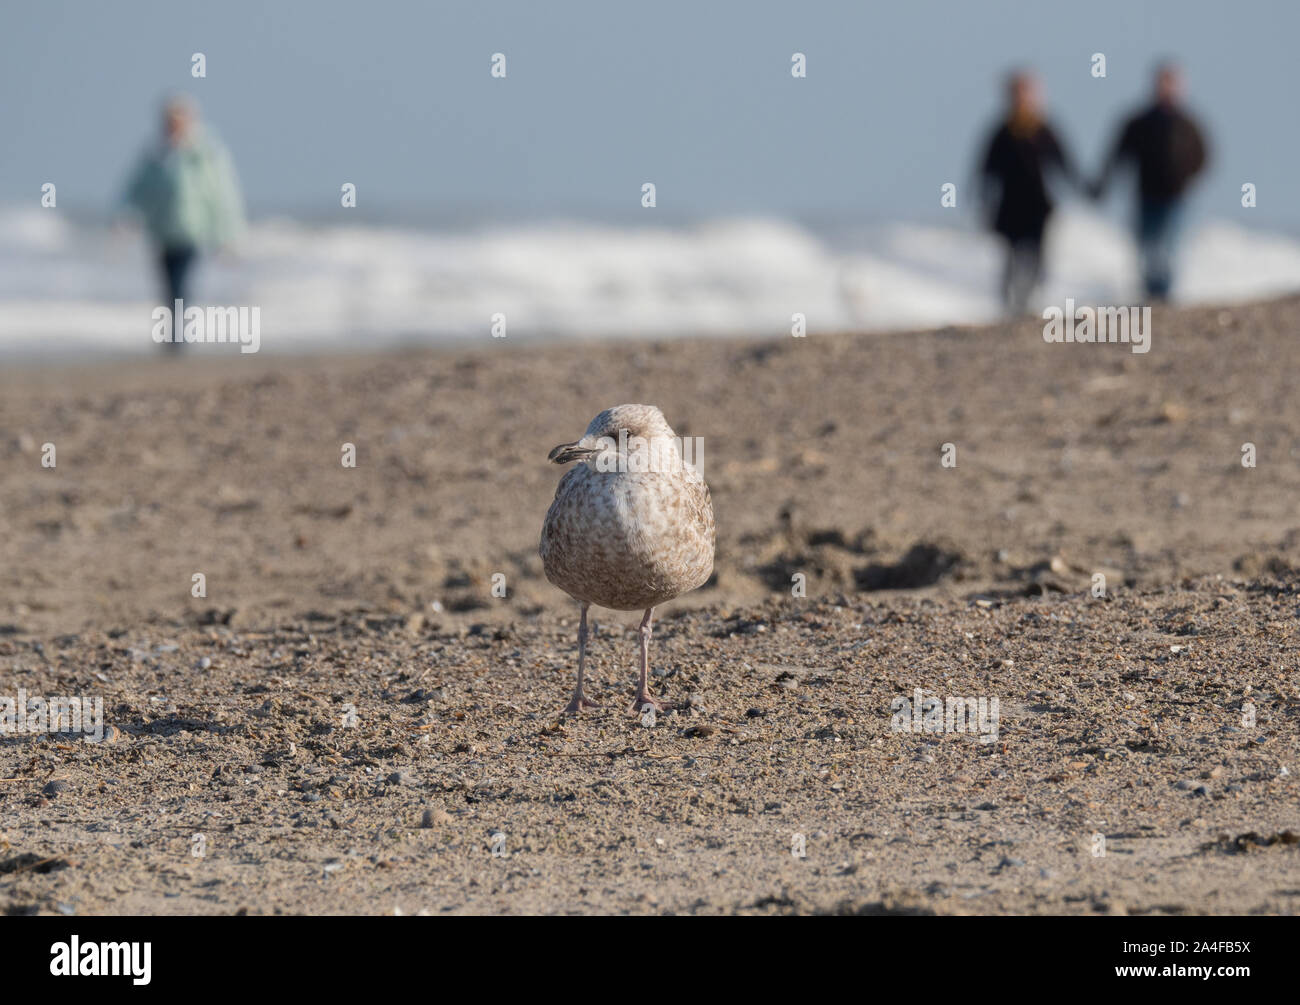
1159 225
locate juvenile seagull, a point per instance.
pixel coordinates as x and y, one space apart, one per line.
631 527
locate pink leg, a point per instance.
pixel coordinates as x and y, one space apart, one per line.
643 695
579 701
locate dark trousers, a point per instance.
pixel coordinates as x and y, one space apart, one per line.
175 264
1158 226
1024 268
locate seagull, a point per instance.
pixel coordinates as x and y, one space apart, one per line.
631 527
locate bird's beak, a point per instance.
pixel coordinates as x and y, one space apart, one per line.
567 452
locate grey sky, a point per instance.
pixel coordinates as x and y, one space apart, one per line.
694 96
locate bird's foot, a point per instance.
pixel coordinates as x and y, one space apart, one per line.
643 699
578 703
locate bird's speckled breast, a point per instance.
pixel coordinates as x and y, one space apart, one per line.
628 541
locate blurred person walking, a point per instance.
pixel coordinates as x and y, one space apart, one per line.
187 195
1169 151
1013 186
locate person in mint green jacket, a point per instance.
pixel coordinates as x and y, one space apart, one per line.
187 195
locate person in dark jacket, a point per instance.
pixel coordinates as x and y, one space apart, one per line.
1014 186
1168 149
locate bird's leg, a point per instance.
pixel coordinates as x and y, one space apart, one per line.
643 695
580 700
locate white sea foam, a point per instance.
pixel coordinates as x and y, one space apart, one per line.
66 286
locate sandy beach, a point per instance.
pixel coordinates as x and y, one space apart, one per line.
350 721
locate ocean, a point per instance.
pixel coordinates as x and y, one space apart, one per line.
70 286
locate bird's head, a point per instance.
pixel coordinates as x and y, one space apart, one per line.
615 433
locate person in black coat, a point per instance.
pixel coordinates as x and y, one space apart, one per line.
1168 149
1019 155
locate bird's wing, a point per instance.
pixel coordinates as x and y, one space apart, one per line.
701 506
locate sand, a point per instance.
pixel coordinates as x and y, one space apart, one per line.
350 715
